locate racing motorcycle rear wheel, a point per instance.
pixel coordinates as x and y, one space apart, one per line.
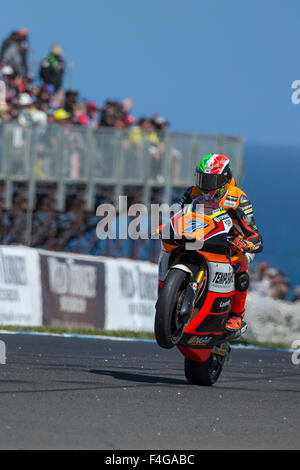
169 326
203 373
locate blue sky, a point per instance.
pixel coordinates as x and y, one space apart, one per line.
207 65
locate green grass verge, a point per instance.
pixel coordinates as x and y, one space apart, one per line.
79 331
264 344
118 333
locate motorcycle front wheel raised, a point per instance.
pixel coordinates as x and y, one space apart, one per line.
168 327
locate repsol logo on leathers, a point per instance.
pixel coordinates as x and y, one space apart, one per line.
223 279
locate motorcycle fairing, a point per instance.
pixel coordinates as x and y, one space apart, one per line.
208 320
200 226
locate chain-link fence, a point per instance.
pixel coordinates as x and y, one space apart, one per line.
52 178
64 155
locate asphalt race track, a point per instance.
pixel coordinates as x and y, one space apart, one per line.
74 393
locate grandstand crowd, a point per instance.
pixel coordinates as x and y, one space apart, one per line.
28 101
270 282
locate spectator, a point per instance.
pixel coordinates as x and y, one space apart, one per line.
91 112
14 51
52 68
144 137
9 78
82 119
6 72
28 103
38 115
61 116
70 103
279 284
44 97
88 116
260 282
129 120
160 123
269 282
30 113
144 130
6 43
5 115
296 294
22 39
108 114
24 103
116 114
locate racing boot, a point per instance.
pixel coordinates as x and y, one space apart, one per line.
234 322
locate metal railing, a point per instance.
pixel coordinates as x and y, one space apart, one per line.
119 159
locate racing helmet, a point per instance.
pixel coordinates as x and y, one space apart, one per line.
213 175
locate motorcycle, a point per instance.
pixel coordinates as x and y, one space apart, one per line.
195 299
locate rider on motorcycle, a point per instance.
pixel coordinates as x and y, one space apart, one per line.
215 182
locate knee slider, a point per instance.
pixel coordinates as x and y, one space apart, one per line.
242 281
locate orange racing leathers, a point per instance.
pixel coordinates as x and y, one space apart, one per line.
239 208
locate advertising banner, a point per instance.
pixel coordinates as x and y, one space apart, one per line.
131 294
73 290
20 287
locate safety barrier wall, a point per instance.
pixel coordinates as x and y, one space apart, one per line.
106 158
39 287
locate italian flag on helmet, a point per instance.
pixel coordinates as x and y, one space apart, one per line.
213 174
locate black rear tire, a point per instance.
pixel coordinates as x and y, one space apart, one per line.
168 328
203 373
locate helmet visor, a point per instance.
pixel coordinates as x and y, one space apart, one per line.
208 182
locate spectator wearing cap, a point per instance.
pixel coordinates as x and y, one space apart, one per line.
160 123
7 72
129 120
29 113
13 84
24 103
91 113
7 76
52 68
61 116
87 117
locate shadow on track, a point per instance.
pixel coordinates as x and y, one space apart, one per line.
121 375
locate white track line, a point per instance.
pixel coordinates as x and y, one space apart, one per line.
117 338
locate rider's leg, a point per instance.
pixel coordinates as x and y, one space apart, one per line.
240 266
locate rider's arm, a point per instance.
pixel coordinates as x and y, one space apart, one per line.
243 216
188 195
